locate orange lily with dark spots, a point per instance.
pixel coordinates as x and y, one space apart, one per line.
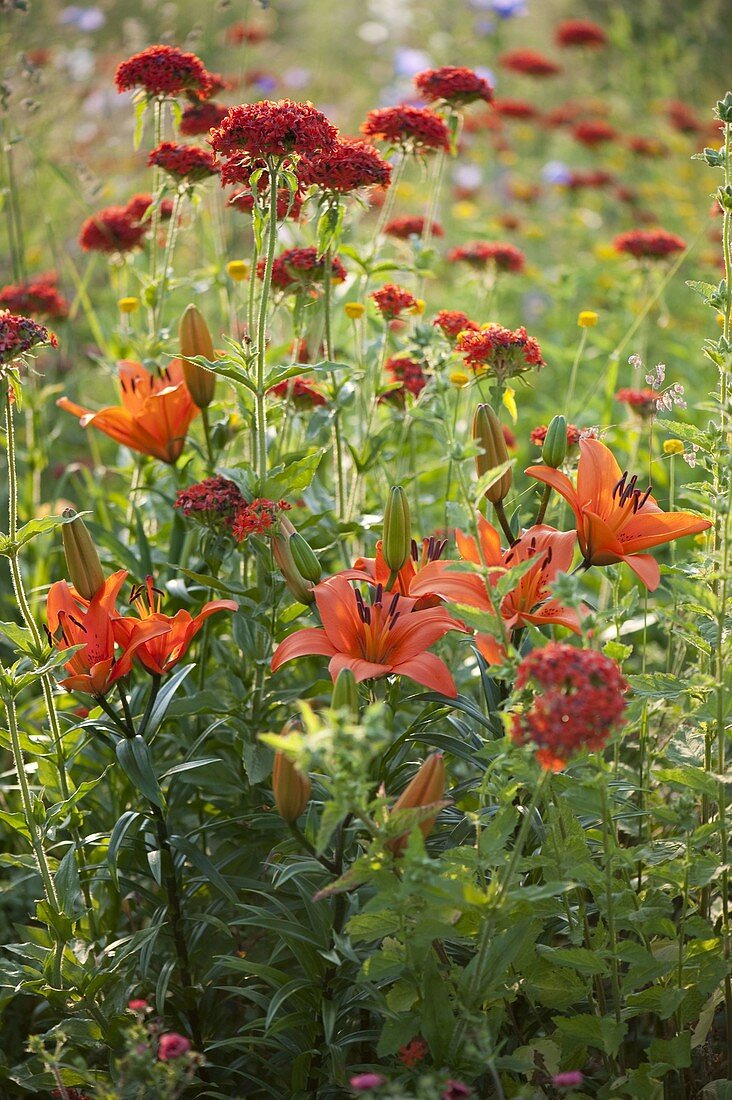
95 625
155 413
424 576
615 520
388 637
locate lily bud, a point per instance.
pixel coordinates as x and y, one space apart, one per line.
290 787
426 788
85 569
345 693
300 587
195 339
305 560
554 448
396 544
488 434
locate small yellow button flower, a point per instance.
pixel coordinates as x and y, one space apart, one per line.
673 447
128 305
464 210
509 401
419 307
605 251
237 270
587 318
459 378
354 310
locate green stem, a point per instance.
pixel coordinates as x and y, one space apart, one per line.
170 240
573 373
260 396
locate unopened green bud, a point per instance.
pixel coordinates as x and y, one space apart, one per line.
305 560
488 434
345 693
396 544
195 339
300 587
85 569
290 787
554 448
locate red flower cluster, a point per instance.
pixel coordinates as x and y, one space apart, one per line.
164 71
452 322
682 118
172 1045
505 352
411 376
199 118
183 162
273 129
597 178
113 229
412 129
214 502
649 244
454 85
646 146
594 132
346 166
391 300
289 203
251 33
580 32
411 226
37 297
644 402
299 268
412 1053
515 108
139 205
258 517
504 257
303 394
577 700
19 335
538 435
529 63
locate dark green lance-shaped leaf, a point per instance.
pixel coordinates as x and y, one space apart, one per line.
200 860
119 832
165 698
294 477
134 759
68 886
18 635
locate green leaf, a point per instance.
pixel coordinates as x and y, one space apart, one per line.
674 1053
68 886
140 110
200 860
294 477
165 698
489 478
602 1032
134 759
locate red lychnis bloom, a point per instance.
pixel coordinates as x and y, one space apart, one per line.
214 502
183 162
454 85
411 226
161 652
392 300
155 413
388 637
683 118
273 129
575 699
649 244
347 166
538 434
517 109
19 335
164 71
95 625
412 1053
615 520
644 146
580 32
37 297
501 255
300 268
257 517
289 203
199 118
505 351
529 63
139 205
302 393
451 322
644 402
114 229
594 132
409 373
412 129
172 1045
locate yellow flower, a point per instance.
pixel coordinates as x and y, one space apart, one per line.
405 191
720 320
128 305
237 270
464 211
509 401
605 251
419 307
354 310
587 318
459 378
673 447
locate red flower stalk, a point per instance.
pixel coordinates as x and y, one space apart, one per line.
183 162
392 300
214 502
481 254
644 402
580 32
164 71
411 129
163 650
454 85
649 244
388 637
411 226
154 416
517 109
95 625
529 63
19 335
615 520
37 297
575 700
114 229
199 118
594 132
273 129
300 269
302 393
258 517
347 166
409 373
451 322
501 350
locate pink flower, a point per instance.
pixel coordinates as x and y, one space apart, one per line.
456 1090
568 1080
171 1046
138 1005
362 1082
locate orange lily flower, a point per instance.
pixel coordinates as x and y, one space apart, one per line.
423 576
373 640
164 649
615 520
155 413
95 625
531 600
